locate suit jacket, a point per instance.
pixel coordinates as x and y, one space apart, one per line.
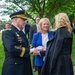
17 58
33 29
37 41
58 60
27 28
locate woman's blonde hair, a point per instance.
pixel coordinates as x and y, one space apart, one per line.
41 21
62 20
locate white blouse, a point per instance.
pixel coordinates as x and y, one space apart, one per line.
44 39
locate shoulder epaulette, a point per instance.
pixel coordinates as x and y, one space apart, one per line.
7 29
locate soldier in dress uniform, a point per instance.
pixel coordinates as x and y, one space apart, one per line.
16 47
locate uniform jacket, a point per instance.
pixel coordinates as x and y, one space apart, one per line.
17 62
33 29
58 59
37 41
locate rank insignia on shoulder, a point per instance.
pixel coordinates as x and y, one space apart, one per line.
7 29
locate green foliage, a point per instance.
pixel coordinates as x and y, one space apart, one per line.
2 25
41 8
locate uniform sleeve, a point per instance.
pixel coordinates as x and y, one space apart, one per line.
13 47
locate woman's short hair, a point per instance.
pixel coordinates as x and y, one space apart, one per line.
41 21
62 20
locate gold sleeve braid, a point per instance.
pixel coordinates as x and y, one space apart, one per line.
23 52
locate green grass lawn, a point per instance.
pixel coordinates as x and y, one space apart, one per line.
35 73
1 54
73 50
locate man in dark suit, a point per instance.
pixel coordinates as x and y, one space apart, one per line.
27 29
33 30
16 47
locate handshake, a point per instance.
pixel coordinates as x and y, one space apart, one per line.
36 51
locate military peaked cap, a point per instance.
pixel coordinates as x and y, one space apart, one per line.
19 14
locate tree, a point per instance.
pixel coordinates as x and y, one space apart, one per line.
41 8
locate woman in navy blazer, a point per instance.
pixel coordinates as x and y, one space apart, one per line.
39 40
